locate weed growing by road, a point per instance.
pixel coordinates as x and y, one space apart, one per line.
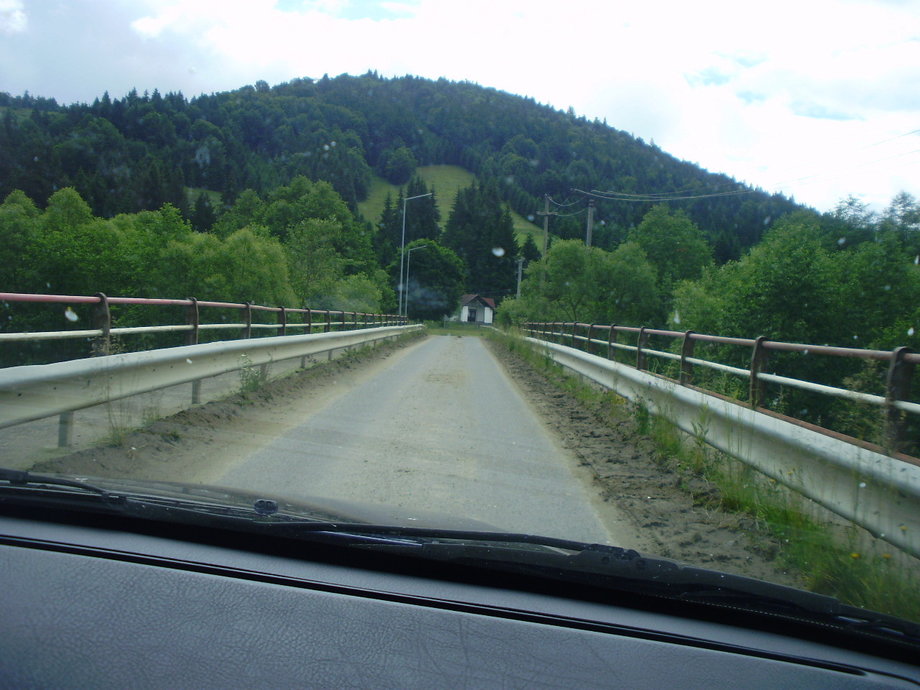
252 378
833 558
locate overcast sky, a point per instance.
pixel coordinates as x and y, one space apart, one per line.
818 99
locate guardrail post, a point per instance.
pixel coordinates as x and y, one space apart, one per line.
758 361
309 328
328 325
686 351
640 349
897 387
192 317
589 344
611 339
194 320
65 429
247 333
282 319
102 319
574 328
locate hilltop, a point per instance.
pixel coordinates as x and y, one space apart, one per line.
135 153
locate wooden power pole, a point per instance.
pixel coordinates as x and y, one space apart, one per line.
590 222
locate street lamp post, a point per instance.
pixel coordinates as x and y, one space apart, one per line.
402 253
408 263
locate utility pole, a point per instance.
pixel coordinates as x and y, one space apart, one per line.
408 263
546 214
402 254
520 263
590 222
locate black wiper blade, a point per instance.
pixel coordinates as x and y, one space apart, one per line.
620 569
24 478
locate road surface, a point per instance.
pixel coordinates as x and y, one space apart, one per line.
442 428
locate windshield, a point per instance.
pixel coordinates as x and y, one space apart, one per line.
643 277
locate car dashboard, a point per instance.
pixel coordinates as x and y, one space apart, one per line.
161 605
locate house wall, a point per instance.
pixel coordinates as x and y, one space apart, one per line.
483 314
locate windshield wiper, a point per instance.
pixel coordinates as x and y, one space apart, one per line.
23 478
260 516
609 567
619 569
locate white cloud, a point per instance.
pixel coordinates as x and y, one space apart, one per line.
13 18
786 91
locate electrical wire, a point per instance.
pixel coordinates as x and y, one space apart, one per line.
563 205
660 196
575 213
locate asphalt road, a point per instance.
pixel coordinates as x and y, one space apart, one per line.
441 429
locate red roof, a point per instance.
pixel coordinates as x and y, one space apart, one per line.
488 301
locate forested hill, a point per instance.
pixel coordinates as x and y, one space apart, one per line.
138 152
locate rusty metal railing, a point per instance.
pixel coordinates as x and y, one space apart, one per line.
102 329
901 363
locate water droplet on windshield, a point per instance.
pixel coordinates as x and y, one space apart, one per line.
498 251
862 485
71 315
842 241
676 317
910 331
188 360
887 287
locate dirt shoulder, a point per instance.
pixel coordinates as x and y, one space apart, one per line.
197 445
669 509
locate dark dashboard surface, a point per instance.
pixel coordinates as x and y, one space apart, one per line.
87 606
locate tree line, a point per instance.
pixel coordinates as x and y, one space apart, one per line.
848 278
297 245
125 155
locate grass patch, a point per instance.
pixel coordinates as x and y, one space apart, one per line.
446 180
832 559
252 377
454 328
216 199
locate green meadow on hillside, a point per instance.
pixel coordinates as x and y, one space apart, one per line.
446 180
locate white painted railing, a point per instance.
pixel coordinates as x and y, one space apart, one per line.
879 492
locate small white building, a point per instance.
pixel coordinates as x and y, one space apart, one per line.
477 309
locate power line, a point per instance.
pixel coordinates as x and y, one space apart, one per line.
563 205
885 141
569 215
658 196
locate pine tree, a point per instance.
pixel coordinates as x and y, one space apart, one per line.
481 232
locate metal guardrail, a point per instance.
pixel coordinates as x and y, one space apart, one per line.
879 492
35 392
901 364
32 392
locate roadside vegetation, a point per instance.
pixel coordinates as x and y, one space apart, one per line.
832 557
